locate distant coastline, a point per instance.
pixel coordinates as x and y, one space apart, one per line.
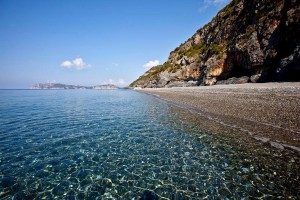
60 86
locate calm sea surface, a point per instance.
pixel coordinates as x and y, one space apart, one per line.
121 144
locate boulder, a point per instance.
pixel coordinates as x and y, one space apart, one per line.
234 80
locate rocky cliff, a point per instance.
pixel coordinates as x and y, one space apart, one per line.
248 41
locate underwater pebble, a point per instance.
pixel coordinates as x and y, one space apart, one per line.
277 145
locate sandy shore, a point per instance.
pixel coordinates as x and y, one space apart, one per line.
269 112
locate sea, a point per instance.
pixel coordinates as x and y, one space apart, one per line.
122 144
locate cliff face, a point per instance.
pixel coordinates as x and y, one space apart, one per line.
248 41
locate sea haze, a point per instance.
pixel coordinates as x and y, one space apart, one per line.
122 144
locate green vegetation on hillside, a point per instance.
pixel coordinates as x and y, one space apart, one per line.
196 49
229 9
216 49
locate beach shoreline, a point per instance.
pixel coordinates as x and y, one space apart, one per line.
268 112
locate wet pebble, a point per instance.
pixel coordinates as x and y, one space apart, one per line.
149 195
6 181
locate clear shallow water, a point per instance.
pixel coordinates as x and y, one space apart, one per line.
74 144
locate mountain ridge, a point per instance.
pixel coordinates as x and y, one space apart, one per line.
60 86
247 41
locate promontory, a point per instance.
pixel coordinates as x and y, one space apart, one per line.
247 41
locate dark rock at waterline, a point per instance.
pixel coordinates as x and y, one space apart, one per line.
289 68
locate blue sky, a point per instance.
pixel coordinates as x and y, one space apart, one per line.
92 42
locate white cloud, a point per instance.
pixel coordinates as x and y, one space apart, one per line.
110 81
77 63
49 81
150 64
120 82
67 64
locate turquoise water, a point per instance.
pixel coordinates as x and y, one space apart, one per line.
121 144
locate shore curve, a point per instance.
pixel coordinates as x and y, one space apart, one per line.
268 112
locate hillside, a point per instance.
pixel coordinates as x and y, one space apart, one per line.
248 41
60 86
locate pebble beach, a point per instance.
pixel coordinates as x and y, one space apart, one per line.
268 112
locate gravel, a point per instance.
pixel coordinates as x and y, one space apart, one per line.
268 110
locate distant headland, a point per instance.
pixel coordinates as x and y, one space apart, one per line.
60 86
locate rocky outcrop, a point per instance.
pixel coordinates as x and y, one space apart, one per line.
257 39
234 80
